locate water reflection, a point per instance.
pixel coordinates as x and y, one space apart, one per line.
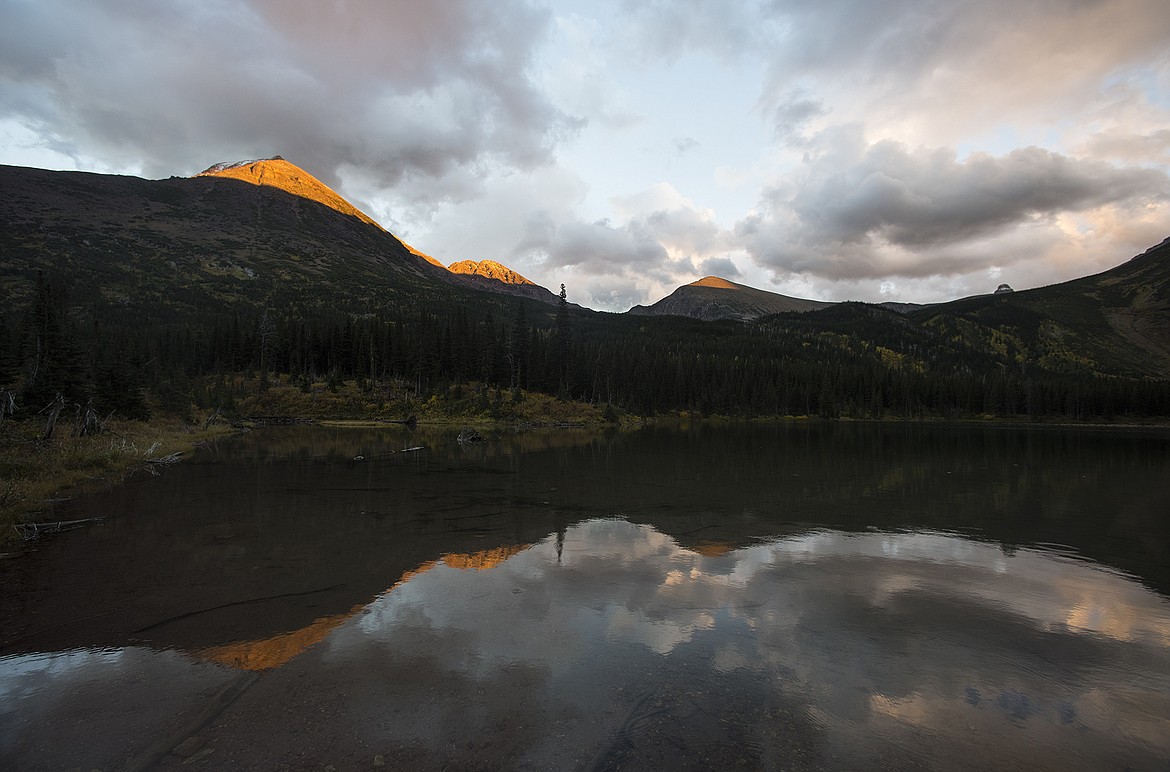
893 636
770 597
278 650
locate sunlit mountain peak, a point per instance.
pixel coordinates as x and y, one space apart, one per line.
278 173
489 269
715 281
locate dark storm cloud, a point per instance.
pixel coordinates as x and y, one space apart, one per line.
395 88
853 199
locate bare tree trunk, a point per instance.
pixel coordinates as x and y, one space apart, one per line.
55 407
88 421
7 404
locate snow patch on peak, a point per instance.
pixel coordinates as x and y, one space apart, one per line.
223 166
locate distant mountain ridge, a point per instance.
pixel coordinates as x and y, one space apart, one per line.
713 298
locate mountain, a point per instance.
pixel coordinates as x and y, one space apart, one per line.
712 298
181 284
1116 322
278 173
494 277
236 236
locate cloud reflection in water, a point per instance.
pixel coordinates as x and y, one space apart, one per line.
873 634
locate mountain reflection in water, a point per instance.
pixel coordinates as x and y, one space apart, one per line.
471 608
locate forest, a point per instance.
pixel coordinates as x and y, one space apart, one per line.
852 360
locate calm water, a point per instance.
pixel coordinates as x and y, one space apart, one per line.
782 597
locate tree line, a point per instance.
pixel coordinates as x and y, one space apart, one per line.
852 360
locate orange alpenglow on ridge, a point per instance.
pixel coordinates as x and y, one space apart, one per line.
715 281
489 269
278 173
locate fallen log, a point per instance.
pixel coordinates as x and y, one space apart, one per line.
152 464
30 531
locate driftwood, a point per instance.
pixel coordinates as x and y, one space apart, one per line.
411 450
153 464
30 531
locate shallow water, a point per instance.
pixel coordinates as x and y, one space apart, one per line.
822 597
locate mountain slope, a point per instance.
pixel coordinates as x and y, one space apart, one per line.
280 174
1116 322
713 298
237 236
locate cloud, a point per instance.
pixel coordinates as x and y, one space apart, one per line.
599 246
719 266
660 239
617 294
402 90
1131 147
923 142
883 209
671 28
575 74
919 69
794 111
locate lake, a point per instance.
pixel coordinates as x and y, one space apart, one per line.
789 596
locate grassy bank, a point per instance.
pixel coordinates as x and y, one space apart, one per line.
34 472
471 404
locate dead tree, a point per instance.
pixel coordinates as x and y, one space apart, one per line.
54 409
87 421
7 404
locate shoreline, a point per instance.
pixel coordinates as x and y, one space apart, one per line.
40 473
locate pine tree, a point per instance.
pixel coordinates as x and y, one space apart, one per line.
562 347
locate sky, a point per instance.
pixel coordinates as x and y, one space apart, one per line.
908 150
